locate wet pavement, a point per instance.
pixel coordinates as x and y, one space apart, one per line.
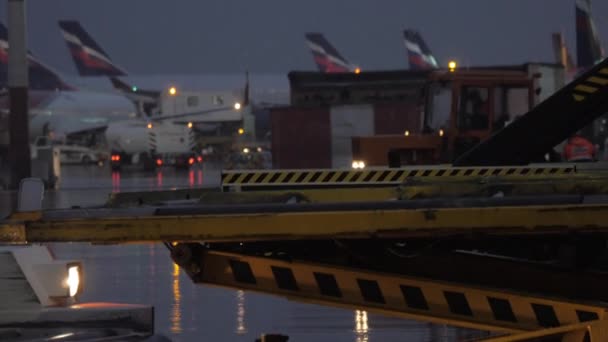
144 274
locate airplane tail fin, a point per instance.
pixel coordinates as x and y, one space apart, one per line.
561 53
588 46
419 54
89 57
327 58
41 77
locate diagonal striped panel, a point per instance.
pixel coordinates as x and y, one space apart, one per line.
585 88
598 80
438 301
590 85
379 176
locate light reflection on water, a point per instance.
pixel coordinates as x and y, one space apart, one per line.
159 179
199 177
176 312
195 177
240 312
361 326
115 181
191 178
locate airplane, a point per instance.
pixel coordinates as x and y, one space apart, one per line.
91 60
160 112
56 107
327 58
419 54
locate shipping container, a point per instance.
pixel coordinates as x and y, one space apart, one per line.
323 137
396 118
301 138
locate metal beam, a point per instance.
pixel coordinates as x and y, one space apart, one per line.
397 219
215 197
579 184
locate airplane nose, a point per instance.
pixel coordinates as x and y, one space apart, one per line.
113 135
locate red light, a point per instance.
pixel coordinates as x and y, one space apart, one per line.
191 161
200 159
115 157
159 162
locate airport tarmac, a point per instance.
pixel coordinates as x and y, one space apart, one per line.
144 274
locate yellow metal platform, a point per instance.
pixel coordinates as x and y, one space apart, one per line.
274 222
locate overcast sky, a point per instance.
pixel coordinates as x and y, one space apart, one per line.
194 36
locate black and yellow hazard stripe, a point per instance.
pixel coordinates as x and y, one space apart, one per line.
442 302
590 85
378 176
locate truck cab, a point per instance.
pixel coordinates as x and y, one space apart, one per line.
481 104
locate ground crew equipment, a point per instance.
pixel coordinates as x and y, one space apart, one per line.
546 125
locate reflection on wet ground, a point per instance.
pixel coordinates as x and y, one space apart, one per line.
144 274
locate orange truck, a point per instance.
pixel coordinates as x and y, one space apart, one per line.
463 107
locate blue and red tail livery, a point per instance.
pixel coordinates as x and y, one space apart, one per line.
89 57
41 77
327 58
588 46
419 54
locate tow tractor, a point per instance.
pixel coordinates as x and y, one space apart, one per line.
486 125
461 108
151 144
